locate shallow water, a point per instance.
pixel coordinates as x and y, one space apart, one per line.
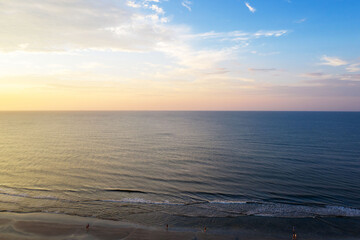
138 166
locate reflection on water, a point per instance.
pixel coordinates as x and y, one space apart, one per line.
122 165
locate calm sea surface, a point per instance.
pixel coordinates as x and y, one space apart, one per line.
156 166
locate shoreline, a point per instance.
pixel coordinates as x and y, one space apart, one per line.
31 226
41 226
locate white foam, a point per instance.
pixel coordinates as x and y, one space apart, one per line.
237 208
13 193
220 207
140 201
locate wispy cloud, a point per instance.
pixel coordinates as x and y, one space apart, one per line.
262 69
317 75
353 68
332 61
313 74
301 20
276 33
240 35
187 4
319 88
264 53
320 76
251 9
351 77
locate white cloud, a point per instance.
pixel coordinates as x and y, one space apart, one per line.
138 26
147 4
65 25
332 61
157 9
251 9
186 3
133 4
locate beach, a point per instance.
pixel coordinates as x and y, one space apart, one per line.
14 226
51 226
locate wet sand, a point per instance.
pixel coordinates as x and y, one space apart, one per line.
41 226
53 226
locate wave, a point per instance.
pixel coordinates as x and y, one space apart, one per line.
229 208
12 193
124 190
229 202
235 208
139 201
203 208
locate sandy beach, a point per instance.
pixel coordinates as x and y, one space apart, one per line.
55 226
41 226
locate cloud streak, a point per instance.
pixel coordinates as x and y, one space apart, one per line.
186 4
262 69
301 20
353 68
240 35
251 9
332 61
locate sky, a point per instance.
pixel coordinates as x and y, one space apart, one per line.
273 55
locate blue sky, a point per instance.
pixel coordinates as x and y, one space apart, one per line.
180 55
314 27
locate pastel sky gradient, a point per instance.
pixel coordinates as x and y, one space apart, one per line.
180 55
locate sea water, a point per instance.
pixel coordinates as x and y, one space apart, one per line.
156 167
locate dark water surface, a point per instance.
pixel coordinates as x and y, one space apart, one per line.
154 167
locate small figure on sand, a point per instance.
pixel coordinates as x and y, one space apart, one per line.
87 227
205 229
167 227
294 236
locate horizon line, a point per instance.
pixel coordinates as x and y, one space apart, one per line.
180 110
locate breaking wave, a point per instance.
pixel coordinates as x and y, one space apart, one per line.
194 208
222 208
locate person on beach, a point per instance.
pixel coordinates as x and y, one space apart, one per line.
294 237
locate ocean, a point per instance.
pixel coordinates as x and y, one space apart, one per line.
182 168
